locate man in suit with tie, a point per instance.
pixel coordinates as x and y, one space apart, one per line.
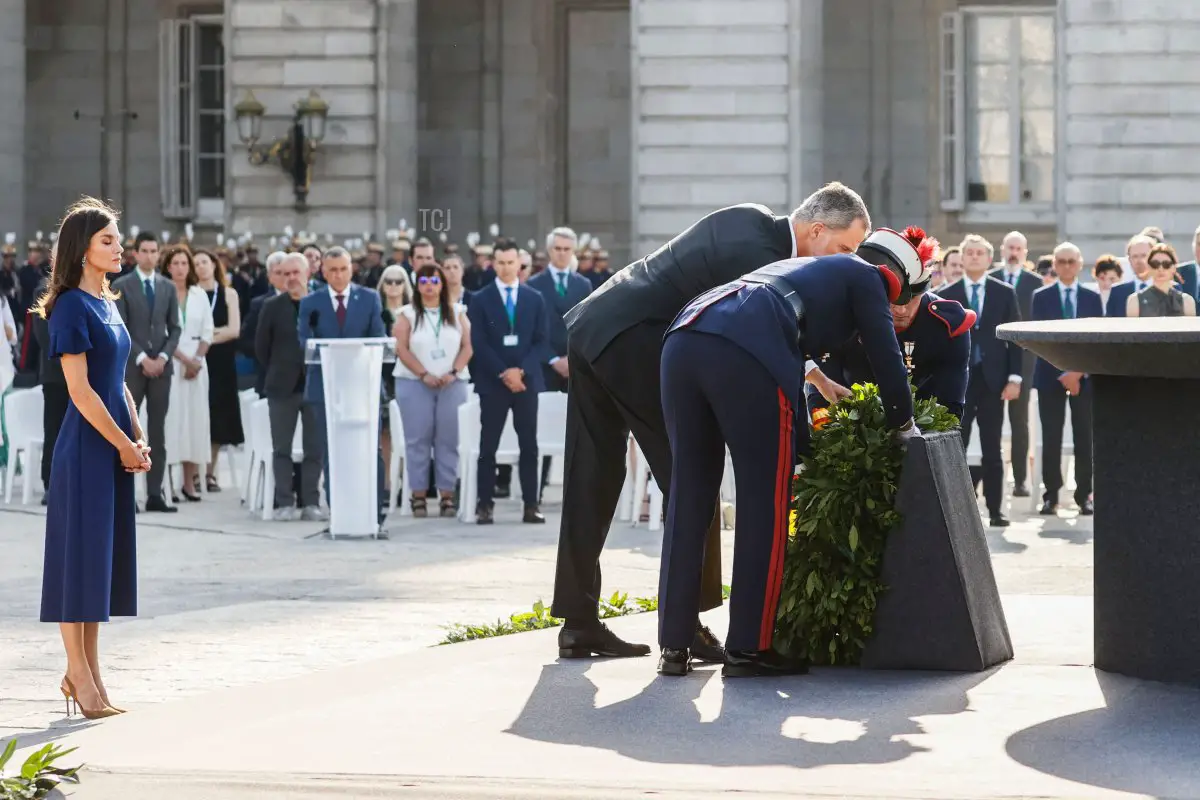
995 375
615 344
509 336
1138 251
150 308
342 310
562 289
1189 273
1014 250
1065 299
277 349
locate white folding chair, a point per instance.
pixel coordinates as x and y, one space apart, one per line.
644 482
468 453
246 400
397 463
552 432
1035 441
23 424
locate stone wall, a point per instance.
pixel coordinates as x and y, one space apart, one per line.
104 151
12 96
711 111
1131 144
281 50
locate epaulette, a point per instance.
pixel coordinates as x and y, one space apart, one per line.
958 320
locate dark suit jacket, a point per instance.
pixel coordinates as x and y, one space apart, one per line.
489 326
1190 280
1047 304
246 338
50 369
1117 297
277 347
843 296
364 320
152 332
719 248
578 288
1000 358
1027 283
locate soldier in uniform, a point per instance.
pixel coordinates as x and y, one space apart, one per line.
733 367
10 291
936 336
600 271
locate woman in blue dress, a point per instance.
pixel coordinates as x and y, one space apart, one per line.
90 569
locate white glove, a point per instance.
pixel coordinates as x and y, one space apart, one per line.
905 435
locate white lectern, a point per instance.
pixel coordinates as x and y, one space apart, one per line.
351 371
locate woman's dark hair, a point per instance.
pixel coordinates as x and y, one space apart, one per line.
427 271
83 220
168 255
218 268
1045 265
1107 263
1163 247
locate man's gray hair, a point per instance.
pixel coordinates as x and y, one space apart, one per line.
975 240
1067 247
1140 238
300 259
275 259
835 205
562 231
337 252
1015 236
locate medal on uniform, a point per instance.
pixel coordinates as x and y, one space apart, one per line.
908 351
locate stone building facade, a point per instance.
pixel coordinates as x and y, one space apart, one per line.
624 118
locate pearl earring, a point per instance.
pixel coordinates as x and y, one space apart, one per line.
83 263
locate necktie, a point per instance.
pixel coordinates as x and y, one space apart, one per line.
976 344
341 311
1068 306
562 283
149 286
1012 279
975 298
510 306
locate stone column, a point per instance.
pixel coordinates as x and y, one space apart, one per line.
12 135
398 113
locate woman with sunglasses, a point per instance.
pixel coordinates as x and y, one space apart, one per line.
433 347
395 290
1162 297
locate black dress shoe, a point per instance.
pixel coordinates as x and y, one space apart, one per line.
533 515
761 663
1086 509
158 504
706 647
674 662
998 521
593 638
191 498
483 515
1048 509
1020 491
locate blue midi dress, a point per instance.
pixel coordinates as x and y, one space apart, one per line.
90 568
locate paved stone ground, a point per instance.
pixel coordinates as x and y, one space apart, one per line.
229 600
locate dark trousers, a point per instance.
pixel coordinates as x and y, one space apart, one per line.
494 408
1018 420
380 494
157 394
608 399
985 406
284 412
55 398
1052 410
715 394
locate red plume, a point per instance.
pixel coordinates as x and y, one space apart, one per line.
926 247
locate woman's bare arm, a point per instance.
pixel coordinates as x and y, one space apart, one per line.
91 407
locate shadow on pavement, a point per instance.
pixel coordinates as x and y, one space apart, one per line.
1145 740
759 723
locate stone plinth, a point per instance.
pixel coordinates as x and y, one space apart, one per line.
1145 377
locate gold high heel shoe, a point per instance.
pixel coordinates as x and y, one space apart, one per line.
71 697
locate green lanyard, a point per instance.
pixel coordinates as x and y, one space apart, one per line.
437 326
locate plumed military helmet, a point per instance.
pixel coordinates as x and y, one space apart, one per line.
902 260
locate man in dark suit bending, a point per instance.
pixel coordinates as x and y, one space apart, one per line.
615 346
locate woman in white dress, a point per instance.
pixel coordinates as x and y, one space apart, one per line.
187 428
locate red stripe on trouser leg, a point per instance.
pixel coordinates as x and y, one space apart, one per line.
783 478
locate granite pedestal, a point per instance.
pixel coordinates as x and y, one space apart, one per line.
941 609
1145 376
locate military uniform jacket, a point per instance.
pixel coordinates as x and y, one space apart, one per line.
842 296
940 334
719 248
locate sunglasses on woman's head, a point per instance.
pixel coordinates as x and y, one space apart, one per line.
429 280
1161 264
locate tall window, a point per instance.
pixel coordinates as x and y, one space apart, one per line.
192 107
998 109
